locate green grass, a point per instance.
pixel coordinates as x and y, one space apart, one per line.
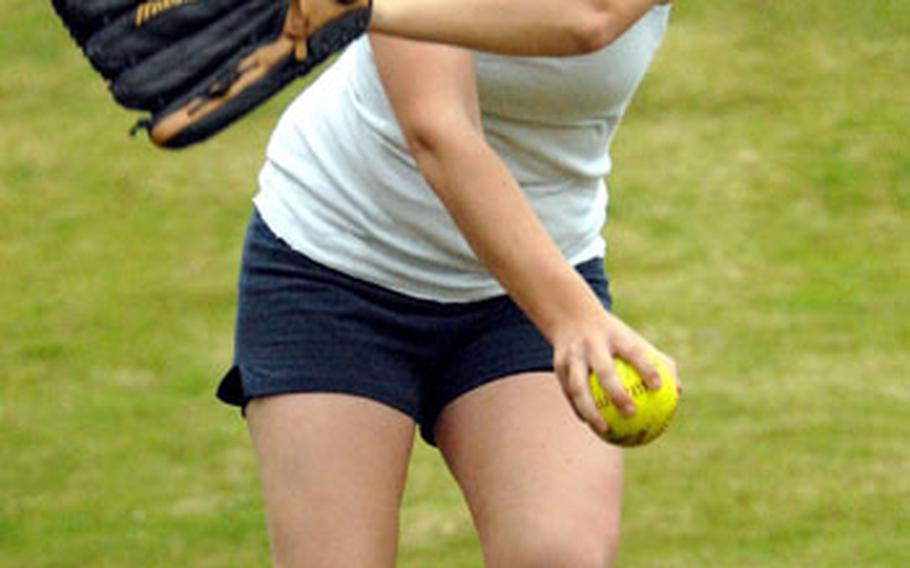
760 231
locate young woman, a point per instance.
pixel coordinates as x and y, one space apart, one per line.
426 252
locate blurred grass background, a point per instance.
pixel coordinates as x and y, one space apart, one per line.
760 232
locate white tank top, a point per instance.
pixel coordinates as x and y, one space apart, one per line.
340 186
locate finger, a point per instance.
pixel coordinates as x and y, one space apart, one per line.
610 381
641 357
578 392
295 28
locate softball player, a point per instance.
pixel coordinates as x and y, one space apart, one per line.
425 254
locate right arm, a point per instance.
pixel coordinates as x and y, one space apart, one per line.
514 27
440 118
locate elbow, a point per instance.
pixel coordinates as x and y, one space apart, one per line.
593 26
432 137
442 148
428 148
424 142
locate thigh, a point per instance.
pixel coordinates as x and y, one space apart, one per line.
542 488
333 468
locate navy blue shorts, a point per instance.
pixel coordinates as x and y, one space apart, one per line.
304 327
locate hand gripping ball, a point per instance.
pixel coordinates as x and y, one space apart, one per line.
654 408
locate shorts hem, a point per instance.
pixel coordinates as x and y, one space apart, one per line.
232 391
428 423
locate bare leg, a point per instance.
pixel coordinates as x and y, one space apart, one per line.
542 488
333 469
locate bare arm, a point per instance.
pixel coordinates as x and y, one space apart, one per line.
517 27
440 118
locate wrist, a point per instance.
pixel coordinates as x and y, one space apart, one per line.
576 307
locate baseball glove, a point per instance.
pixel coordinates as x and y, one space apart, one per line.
196 66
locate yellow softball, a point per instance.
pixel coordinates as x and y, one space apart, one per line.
654 408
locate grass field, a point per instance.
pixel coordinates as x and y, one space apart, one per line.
760 232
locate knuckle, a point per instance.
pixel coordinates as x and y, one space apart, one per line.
620 397
562 366
561 369
575 351
636 349
559 357
589 412
575 391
